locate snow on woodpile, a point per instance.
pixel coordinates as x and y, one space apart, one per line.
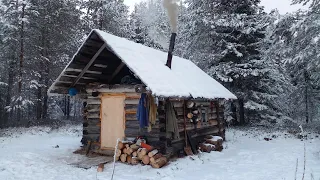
184 79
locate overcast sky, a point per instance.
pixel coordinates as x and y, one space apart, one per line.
282 5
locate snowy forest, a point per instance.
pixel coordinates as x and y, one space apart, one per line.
269 60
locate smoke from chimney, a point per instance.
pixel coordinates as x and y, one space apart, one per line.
172 7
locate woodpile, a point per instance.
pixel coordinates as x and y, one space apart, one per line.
134 154
211 143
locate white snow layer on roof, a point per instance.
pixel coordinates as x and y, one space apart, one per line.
183 80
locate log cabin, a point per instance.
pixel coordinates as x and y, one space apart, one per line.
128 92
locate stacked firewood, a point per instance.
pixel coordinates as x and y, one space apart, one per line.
134 154
211 143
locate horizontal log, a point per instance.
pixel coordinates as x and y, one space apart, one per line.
90 97
131 101
133 96
131 111
93 116
91 130
132 124
131 117
92 119
135 124
112 88
94 110
131 107
91 123
93 101
134 132
93 106
93 113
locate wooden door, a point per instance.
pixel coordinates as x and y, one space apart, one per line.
112 120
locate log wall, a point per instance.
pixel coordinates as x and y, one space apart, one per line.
133 129
92 122
215 124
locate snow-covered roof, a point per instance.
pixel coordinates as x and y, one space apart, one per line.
184 79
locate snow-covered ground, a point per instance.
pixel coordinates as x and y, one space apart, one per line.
30 154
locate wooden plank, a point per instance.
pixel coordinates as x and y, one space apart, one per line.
112 89
81 66
80 70
71 79
89 63
118 69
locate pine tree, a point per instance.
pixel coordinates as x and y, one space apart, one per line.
107 15
227 41
302 44
52 43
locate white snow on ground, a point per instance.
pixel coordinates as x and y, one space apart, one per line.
29 154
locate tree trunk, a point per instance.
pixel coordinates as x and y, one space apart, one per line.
45 96
241 111
21 61
39 101
306 96
9 89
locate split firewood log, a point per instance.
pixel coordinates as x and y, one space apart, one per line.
155 157
206 147
134 161
215 140
129 159
144 151
159 162
124 151
141 152
118 154
118 158
123 157
129 151
134 154
153 152
134 147
146 159
121 145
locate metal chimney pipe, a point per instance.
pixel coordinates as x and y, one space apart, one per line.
171 48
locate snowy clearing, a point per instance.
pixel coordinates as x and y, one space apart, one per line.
29 154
